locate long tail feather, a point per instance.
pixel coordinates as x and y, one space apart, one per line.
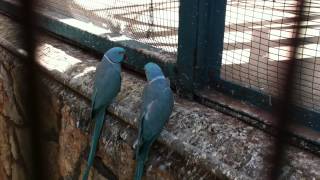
95 140
139 169
142 155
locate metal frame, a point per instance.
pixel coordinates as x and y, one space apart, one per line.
208 63
298 114
199 52
187 46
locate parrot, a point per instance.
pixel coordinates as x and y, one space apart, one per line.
106 87
156 108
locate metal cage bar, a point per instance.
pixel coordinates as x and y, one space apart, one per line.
201 30
187 48
282 110
28 20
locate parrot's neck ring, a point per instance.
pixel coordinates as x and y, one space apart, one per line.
106 57
157 78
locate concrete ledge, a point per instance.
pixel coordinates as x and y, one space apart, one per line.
220 145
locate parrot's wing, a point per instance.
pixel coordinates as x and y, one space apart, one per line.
151 124
147 133
141 119
107 86
140 126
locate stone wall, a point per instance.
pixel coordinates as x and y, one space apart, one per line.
14 136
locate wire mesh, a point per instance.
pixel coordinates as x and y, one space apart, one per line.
307 89
257 46
152 22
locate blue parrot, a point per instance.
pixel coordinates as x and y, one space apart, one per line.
106 87
157 104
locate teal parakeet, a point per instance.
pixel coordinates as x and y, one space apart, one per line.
106 87
157 104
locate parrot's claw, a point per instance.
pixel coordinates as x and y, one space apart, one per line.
135 144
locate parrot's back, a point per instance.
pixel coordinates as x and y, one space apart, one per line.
158 103
107 85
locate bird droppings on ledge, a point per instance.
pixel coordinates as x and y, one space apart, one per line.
197 139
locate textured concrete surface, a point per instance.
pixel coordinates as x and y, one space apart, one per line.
14 129
197 143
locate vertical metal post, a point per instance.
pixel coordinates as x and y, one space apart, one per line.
28 19
210 41
282 111
187 44
201 31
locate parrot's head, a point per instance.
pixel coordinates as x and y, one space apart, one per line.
153 71
116 54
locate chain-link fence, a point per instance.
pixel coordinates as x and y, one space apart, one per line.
153 22
257 47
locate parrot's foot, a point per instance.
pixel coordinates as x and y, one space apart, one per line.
134 146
